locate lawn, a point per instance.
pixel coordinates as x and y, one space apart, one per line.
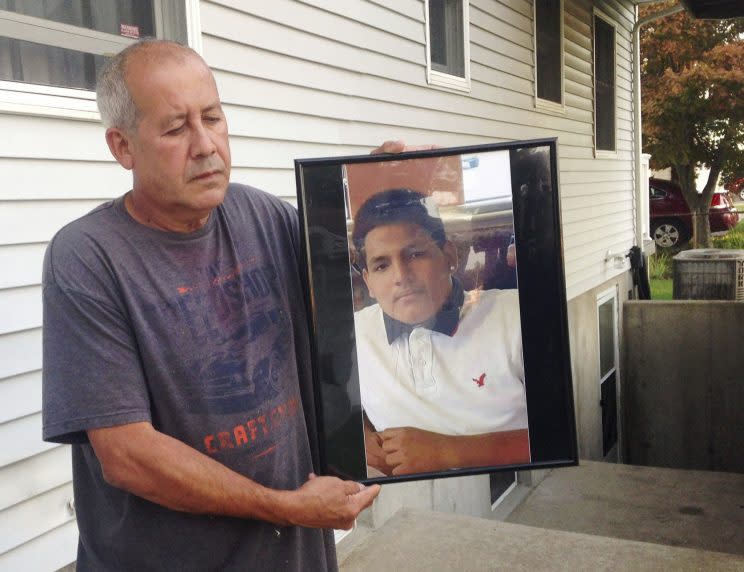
661 289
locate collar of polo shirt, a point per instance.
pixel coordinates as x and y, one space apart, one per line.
445 321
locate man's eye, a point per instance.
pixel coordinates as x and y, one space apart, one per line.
175 130
379 267
212 119
417 254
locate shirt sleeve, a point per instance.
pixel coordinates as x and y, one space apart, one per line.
92 372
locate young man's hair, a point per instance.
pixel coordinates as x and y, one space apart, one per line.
396 206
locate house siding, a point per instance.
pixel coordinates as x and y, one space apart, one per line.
298 79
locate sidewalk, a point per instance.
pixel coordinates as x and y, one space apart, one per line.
597 516
694 509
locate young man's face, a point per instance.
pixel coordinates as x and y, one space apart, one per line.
407 272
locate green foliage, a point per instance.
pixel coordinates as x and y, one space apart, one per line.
660 266
662 289
733 239
692 76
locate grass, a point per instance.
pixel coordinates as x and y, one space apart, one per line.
660 275
661 289
732 239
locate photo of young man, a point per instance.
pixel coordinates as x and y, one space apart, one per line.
440 367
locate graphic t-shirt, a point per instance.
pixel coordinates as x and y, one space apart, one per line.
204 335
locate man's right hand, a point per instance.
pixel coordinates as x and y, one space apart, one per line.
329 502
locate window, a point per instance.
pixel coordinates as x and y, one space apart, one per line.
607 334
604 85
447 38
51 51
549 51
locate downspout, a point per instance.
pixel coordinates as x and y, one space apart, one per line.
637 126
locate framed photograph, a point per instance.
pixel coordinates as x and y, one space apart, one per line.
438 318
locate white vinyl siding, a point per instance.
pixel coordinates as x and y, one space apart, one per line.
298 79
55 167
54 170
291 89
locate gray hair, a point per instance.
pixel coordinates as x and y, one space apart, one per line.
113 98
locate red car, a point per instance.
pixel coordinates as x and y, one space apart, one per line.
736 187
671 220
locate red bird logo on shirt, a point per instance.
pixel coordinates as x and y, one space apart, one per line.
480 381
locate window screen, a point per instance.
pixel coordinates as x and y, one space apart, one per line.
604 84
446 39
606 337
548 47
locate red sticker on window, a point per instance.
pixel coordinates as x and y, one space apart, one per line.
129 31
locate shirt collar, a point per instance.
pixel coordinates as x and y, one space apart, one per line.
445 321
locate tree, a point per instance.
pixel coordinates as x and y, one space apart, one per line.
692 81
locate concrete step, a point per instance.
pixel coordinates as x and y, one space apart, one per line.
421 541
692 509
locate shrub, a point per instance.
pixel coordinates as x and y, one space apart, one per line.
660 266
732 239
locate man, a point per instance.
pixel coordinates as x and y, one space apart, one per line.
441 373
176 350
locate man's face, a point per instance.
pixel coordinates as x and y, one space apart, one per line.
179 151
407 272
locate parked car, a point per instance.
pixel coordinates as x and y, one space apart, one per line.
671 219
736 187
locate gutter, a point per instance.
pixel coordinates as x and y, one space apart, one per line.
637 126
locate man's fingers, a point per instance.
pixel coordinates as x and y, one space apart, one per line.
394 458
420 147
362 499
389 147
352 487
388 434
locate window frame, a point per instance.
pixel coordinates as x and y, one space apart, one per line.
441 79
608 295
541 103
65 102
604 153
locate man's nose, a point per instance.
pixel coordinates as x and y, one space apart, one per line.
202 143
401 271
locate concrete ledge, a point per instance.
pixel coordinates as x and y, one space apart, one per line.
692 509
420 541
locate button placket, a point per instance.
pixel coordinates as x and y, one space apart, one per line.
420 354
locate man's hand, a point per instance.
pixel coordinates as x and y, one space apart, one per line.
399 147
410 450
373 448
328 502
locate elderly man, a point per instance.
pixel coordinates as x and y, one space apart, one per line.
441 373
176 349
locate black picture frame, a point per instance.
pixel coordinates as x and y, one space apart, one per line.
326 191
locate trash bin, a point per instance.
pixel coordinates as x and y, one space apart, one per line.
709 274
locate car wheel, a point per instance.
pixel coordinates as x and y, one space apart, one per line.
667 233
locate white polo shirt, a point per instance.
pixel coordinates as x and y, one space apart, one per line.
466 384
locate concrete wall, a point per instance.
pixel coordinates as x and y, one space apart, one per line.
583 337
684 396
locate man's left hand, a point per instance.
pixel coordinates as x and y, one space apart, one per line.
410 450
398 146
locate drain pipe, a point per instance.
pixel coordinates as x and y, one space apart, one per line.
642 213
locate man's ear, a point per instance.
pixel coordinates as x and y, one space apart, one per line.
119 144
365 275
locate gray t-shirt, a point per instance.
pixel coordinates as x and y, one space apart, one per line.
204 335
